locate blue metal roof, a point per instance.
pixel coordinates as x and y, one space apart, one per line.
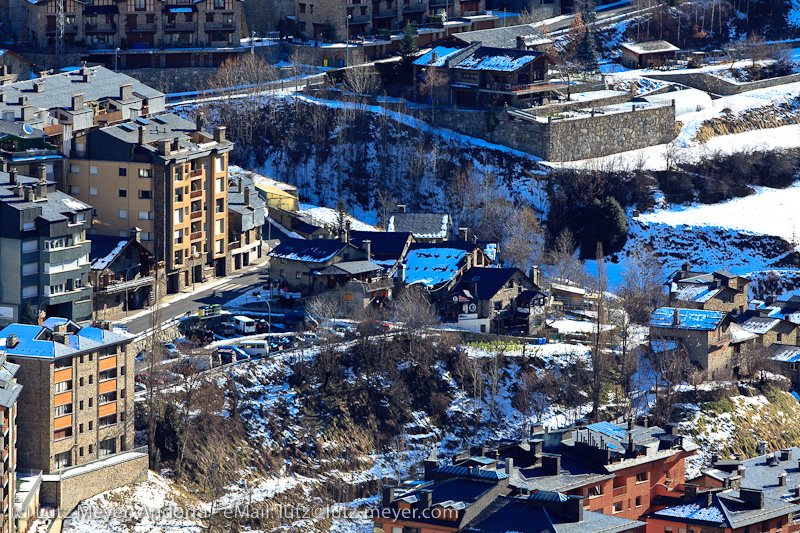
34 343
548 496
464 471
482 460
607 428
695 319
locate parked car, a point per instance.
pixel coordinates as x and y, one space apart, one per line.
171 351
226 329
142 356
262 326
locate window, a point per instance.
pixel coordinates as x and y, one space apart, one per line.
595 491
220 184
123 213
80 451
178 216
30 268
780 337
302 8
219 4
30 246
80 382
91 427
92 191
220 205
139 5
178 236
146 236
220 162
145 215
91 449
179 195
123 171
62 460
638 501
80 430
348 296
220 245
62 410
107 397
107 421
64 362
123 233
92 169
641 477
209 17
220 226
91 379
74 189
74 169
617 507
27 226
145 195
91 400
145 173
107 447
123 193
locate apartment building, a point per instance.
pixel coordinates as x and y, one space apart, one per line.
77 391
46 120
319 18
142 33
44 253
247 213
167 176
9 393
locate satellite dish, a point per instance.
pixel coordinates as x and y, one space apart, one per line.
27 129
455 298
473 308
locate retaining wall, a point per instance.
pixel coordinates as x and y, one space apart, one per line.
711 84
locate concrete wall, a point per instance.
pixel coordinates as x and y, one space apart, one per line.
567 139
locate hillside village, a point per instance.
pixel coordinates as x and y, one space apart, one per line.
481 266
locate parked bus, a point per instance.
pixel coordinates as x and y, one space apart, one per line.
255 348
244 325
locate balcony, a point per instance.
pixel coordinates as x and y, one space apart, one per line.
120 286
54 129
196 214
196 194
107 117
196 236
413 8
196 173
219 26
360 19
379 285
93 29
143 28
184 27
233 245
620 491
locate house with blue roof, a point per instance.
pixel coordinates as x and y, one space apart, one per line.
714 291
482 76
77 386
709 339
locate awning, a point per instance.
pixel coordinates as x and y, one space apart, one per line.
179 9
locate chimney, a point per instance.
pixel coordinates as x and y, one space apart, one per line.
3 165
574 508
219 134
782 479
23 100
741 470
12 341
388 496
761 448
8 116
509 465
631 424
754 497
2 97
200 121
689 492
709 498
27 113
786 454
176 144
135 233
520 42
38 86
770 299
672 428
247 196
367 244
29 194
77 102
347 231
401 272
142 135
85 77
126 91
676 317
551 464
401 208
42 173
163 147
430 464
425 499
12 176
43 73
434 57
462 234
797 491
41 189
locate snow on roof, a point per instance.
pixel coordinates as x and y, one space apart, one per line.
325 216
311 251
693 511
786 353
694 292
497 62
740 334
102 263
760 325
650 47
74 204
441 53
567 288
696 319
433 266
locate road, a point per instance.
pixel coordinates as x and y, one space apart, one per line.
602 14
232 287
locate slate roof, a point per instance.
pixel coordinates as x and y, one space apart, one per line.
760 475
350 268
386 245
760 325
9 390
55 208
421 225
785 353
727 510
442 53
505 37
18 129
433 266
692 319
475 472
650 47
309 251
59 89
498 59
487 281
252 215
37 341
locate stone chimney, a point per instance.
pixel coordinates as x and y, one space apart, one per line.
2 96
367 244
176 144
676 317
761 448
425 499
247 196
8 116
689 492
23 100
551 464
142 135
41 173
741 470
85 75
200 121
163 147
786 454
754 497
462 234
520 42
401 208
387 496
27 113
38 86
12 176
135 233
782 479
219 134
12 341
77 102
126 91
29 194
509 465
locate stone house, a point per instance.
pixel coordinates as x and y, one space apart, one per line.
439 267
14 67
387 249
772 330
481 76
296 263
356 284
569 297
647 54
494 300
123 274
715 291
705 337
9 506
425 227
520 37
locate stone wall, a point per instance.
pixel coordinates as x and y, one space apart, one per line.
567 139
712 84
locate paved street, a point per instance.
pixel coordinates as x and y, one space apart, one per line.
179 304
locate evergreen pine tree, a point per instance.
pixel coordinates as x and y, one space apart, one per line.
408 43
341 215
586 54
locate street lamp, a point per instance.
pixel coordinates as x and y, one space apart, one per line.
127 302
253 44
116 58
347 41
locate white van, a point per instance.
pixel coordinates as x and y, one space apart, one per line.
255 348
244 325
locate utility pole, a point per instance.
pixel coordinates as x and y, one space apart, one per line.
59 31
